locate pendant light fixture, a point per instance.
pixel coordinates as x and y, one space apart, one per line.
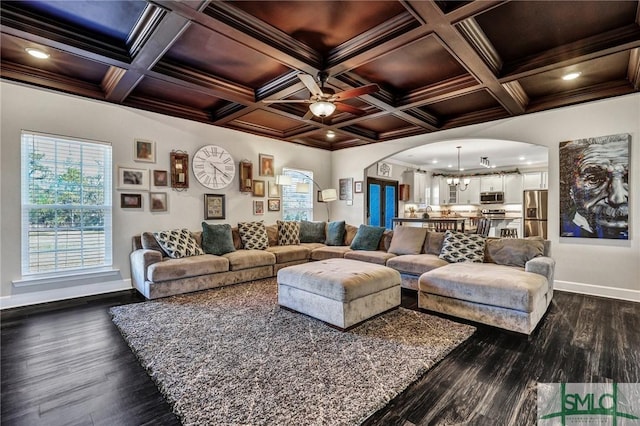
461 183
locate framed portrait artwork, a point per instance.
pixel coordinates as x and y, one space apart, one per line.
158 201
258 207
273 204
357 187
266 165
258 188
160 178
214 206
133 179
131 201
144 151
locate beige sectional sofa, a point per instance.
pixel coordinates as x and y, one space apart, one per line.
511 288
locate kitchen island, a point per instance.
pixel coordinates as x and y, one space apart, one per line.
436 223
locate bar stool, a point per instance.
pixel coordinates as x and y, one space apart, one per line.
509 233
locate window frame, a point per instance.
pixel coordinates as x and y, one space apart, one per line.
83 258
299 213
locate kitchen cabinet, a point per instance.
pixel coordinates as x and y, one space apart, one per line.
448 194
513 189
418 185
491 183
434 199
471 195
535 180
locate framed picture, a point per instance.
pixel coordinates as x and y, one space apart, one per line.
131 201
258 188
160 178
266 165
144 151
158 201
274 190
357 187
133 179
258 207
346 189
319 197
214 206
273 204
384 169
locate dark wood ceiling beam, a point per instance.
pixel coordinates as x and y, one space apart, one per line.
585 94
614 41
229 112
452 87
38 77
633 71
282 87
475 117
163 107
460 48
201 82
400 133
161 30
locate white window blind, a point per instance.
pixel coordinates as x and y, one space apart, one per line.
297 205
66 204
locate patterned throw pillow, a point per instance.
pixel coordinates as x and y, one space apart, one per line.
253 235
288 233
459 247
178 243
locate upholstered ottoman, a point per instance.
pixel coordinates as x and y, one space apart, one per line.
340 292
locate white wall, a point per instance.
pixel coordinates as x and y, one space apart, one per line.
602 267
43 111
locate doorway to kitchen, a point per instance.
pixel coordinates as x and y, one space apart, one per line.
382 202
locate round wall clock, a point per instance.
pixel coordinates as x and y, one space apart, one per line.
213 166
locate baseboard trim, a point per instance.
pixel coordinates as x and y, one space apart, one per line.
598 290
54 295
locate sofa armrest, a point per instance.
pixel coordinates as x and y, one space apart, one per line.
542 265
140 261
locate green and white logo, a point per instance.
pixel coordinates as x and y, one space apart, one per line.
615 404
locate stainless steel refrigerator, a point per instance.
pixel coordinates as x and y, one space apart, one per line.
534 209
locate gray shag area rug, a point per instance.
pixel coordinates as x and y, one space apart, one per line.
231 356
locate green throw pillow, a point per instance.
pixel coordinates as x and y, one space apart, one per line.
312 232
335 233
217 239
367 238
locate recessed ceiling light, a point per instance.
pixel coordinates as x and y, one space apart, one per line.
529 163
462 169
37 53
493 166
571 76
434 161
449 165
521 158
331 134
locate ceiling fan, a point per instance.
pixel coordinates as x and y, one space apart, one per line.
324 101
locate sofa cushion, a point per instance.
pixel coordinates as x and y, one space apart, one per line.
245 259
178 243
486 283
433 243
367 238
217 239
350 232
193 266
335 233
312 232
378 257
272 234
290 253
416 264
288 232
253 235
329 252
513 251
407 240
312 246
460 247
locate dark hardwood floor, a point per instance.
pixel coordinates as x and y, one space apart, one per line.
65 363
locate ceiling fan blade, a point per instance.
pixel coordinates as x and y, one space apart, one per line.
308 116
286 101
358 91
311 84
348 108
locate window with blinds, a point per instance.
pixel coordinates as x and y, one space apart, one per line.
297 205
66 204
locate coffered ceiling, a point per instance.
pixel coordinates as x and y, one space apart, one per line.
439 64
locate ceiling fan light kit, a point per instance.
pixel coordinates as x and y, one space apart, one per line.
322 108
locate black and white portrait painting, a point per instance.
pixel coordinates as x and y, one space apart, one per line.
594 187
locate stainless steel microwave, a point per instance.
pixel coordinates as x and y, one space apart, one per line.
491 197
